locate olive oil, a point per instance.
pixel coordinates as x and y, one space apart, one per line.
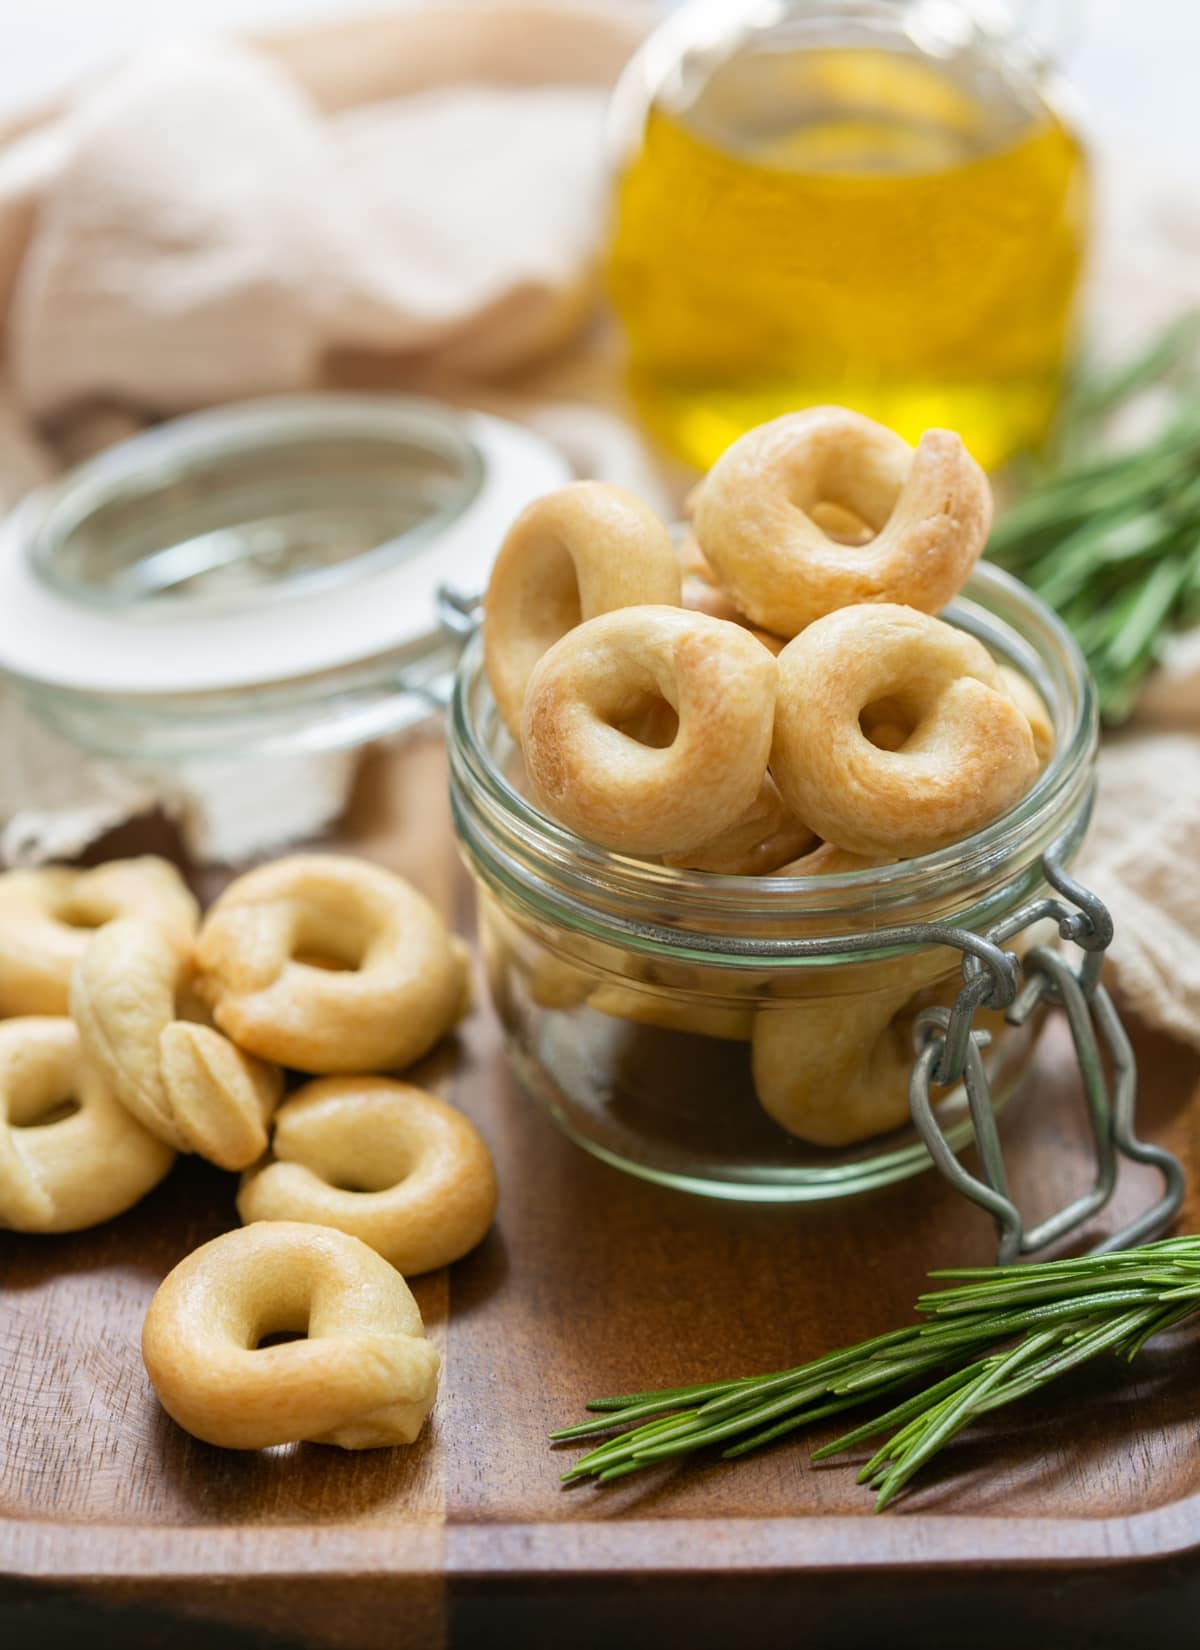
855 225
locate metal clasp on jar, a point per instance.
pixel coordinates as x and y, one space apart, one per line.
948 1051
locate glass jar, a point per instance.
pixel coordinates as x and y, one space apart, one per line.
659 1013
222 611
875 203
259 579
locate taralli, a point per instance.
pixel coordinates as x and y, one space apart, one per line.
47 917
383 1161
764 838
835 1070
1023 693
553 983
700 591
330 964
758 516
835 520
638 798
969 754
183 1081
885 724
672 1007
839 524
363 1377
584 550
702 594
827 861
520 963
70 1154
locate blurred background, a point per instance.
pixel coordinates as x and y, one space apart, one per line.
1133 64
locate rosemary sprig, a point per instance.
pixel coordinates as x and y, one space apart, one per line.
996 1336
1111 539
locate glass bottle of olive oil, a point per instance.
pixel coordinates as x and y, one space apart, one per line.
870 202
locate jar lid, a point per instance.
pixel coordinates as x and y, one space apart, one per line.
257 544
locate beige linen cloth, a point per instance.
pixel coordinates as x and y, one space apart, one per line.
416 200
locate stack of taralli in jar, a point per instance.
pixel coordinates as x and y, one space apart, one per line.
132 1031
772 696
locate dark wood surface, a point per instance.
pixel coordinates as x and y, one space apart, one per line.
1079 1515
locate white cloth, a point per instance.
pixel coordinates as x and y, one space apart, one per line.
195 228
1142 857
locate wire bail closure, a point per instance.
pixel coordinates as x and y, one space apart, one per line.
949 1051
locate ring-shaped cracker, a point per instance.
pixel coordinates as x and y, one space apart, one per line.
835 1070
758 514
363 1377
603 676
71 1156
182 1080
47 917
968 755
586 549
330 964
384 1161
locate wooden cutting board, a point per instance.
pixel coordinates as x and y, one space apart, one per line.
1080 1517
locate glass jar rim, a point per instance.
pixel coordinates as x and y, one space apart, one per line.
320 647
246 487
210 452
562 878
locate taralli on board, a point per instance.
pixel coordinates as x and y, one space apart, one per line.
330 964
969 754
182 1080
758 515
581 551
424 1186
835 1070
638 798
363 1377
47 917
71 1156
764 838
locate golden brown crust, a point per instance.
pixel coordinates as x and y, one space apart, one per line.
651 1002
183 1081
86 1167
364 1376
586 549
930 512
1023 693
970 755
701 593
427 1185
611 789
826 860
330 964
48 915
835 1071
764 838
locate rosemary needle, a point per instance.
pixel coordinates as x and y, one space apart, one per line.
1111 539
991 1338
